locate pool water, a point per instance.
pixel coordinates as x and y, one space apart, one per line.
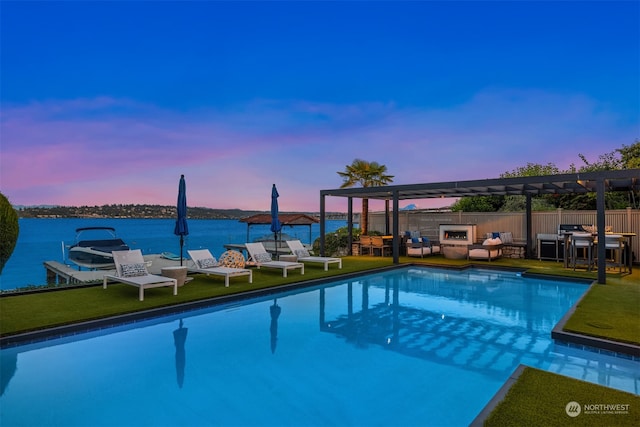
408 347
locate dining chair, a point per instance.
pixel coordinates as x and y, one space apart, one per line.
582 250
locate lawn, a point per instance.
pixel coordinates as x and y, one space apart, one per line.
541 398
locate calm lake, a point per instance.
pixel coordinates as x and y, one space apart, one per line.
46 239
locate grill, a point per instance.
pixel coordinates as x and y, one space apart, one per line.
551 246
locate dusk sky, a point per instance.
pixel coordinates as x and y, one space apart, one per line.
110 102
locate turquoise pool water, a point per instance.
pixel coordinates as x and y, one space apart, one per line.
409 347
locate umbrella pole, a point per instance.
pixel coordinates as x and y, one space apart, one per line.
275 241
181 245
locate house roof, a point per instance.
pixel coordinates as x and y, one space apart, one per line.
285 219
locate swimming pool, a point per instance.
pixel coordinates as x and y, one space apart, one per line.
413 346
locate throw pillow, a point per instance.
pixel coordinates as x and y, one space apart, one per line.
207 263
133 270
232 259
506 237
263 257
302 253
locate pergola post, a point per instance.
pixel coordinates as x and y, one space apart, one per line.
350 225
322 223
528 231
396 228
600 223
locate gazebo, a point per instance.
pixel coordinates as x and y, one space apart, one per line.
286 219
597 182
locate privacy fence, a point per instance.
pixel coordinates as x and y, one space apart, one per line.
546 222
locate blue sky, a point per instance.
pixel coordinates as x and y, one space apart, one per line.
109 102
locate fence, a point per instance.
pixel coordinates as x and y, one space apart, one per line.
547 222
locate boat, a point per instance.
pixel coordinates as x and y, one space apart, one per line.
95 254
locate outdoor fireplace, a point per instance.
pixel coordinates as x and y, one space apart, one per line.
458 234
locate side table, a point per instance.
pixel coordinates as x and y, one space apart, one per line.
176 272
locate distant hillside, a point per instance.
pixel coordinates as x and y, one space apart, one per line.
138 211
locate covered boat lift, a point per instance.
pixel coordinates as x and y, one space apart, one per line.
575 183
286 219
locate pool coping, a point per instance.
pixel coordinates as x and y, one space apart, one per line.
497 398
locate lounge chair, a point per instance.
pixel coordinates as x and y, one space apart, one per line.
421 246
298 249
259 255
205 263
132 270
489 250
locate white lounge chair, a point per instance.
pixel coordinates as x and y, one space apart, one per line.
205 263
259 255
132 270
298 249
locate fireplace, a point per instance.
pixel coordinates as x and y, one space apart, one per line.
458 234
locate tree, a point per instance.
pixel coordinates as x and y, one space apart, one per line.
367 174
627 157
9 229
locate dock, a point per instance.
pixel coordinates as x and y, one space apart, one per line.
59 273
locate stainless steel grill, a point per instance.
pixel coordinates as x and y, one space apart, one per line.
551 246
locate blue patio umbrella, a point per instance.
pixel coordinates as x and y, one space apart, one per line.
276 226
181 222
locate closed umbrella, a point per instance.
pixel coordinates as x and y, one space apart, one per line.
179 339
274 310
181 222
276 226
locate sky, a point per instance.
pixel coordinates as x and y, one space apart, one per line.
110 102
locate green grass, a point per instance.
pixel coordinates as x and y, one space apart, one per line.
609 311
539 398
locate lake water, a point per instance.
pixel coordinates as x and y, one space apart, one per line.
45 239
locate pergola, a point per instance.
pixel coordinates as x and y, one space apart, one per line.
576 183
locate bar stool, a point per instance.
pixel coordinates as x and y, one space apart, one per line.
582 243
614 243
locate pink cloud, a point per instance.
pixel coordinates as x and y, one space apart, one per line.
105 150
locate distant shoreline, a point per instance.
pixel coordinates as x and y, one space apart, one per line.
144 212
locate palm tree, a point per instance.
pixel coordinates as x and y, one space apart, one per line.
367 174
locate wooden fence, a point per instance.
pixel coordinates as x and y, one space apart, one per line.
546 222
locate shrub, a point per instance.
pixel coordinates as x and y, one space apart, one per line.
9 229
335 244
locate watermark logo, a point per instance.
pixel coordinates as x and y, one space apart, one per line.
573 409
